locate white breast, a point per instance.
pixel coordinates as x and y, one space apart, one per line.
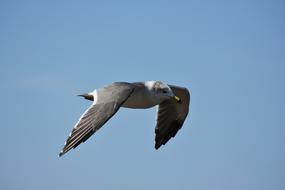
142 99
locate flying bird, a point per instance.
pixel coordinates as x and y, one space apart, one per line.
173 106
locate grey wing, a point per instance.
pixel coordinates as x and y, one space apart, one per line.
171 116
110 99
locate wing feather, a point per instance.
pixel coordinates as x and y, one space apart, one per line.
111 98
171 116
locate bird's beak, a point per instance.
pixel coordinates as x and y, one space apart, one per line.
87 96
177 99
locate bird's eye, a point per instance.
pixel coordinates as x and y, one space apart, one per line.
164 91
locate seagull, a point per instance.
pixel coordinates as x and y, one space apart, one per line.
173 106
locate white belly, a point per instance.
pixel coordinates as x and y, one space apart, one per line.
139 99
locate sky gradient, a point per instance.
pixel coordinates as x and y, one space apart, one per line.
229 54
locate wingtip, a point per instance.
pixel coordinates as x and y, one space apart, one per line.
60 154
157 146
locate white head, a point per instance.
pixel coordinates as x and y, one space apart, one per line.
163 91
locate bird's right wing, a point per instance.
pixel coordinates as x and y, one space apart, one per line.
110 99
171 116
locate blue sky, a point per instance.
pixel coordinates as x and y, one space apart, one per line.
230 54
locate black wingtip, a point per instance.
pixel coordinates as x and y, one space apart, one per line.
157 146
61 154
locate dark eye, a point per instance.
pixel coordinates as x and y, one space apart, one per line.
164 91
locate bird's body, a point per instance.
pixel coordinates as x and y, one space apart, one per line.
142 98
172 109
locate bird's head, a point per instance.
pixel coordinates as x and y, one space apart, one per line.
162 90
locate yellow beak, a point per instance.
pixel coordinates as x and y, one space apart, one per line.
178 100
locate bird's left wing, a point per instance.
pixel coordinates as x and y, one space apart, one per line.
171 116
109 101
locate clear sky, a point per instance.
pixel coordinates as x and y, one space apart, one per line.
230 54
